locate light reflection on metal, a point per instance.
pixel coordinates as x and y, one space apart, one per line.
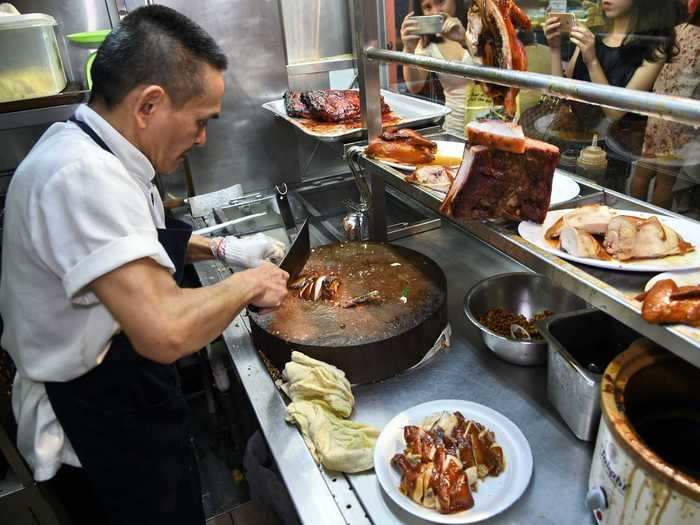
683 110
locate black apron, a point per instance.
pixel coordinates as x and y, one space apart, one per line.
128 423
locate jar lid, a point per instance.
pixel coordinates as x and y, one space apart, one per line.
25 21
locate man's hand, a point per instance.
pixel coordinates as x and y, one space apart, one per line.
247 252
585 40
270 285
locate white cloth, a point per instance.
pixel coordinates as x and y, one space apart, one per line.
455 88
74 212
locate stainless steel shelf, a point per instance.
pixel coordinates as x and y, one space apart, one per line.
611 291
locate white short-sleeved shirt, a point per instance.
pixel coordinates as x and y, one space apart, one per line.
73 213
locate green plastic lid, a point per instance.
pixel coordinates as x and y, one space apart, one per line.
89 39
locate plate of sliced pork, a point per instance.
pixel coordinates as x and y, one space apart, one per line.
452 461
604 237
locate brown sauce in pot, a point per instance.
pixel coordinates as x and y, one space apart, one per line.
406 282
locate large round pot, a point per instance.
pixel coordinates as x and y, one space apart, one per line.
646 464
369 342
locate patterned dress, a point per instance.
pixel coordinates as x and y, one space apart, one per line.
680 77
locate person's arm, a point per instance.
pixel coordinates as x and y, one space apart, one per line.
414 77
198 249
643 78
165 322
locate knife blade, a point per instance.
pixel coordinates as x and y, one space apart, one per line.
298 252
295 258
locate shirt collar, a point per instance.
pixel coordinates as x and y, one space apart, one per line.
129 155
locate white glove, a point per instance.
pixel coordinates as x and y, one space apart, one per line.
247 252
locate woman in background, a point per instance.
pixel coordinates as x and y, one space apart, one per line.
448 45
636 43
665 140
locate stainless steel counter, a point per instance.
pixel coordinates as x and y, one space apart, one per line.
466 371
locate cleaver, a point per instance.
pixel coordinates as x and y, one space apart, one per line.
295 258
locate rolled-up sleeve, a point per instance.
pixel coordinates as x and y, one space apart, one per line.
92 218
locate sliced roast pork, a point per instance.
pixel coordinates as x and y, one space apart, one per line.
496 134
492 183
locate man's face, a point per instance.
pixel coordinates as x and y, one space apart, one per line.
172 131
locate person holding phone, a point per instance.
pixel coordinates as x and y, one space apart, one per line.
631 51
449 44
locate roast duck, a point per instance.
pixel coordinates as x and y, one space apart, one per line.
668 303
599 232
404 146
444 461
327 105
503 175
491 35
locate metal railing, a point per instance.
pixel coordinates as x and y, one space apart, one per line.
684 110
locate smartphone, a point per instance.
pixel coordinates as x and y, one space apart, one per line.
428 25
568 20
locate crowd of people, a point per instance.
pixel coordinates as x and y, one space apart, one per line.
643 45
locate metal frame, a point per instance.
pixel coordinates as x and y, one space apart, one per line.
603 289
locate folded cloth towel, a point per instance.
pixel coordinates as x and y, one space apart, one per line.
338 444
321 402
310 379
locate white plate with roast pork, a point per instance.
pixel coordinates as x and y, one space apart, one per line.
484 461
630 241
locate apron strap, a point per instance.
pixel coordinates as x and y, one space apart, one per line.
91 133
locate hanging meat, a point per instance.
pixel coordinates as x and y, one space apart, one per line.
491 35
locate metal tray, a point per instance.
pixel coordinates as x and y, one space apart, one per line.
411 111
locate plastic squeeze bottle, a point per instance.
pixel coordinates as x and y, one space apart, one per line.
592 162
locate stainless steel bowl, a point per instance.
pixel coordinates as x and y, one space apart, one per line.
522 293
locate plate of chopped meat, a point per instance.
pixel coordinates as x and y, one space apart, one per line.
631 241
453 461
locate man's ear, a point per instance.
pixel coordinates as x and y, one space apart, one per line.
149 100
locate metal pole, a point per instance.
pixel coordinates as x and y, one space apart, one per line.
366 32
683 110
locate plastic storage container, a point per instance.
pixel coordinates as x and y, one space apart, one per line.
30 62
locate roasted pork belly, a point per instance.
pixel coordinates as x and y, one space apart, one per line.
326 105
492 183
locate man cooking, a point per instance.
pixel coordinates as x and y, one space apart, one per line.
94 317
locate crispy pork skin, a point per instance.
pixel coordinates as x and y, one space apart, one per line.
405 146
504 136
634 238
493 183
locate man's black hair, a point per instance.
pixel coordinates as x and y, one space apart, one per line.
154 45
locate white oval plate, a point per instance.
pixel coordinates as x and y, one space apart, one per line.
444 149
563 189
494 494
690 232
688 278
